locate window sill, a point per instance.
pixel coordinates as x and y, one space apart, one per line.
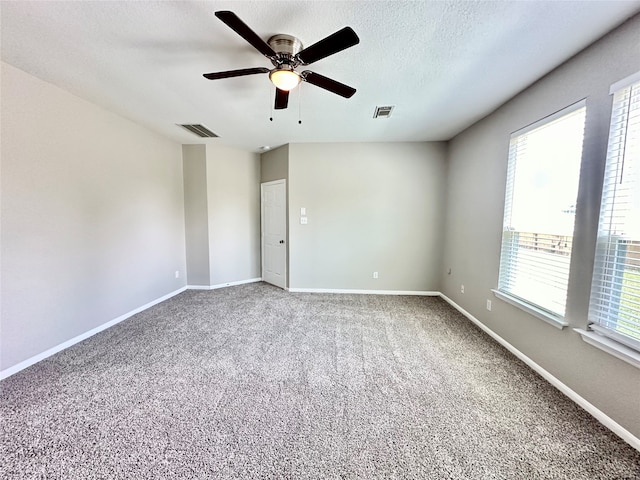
530 309
612 347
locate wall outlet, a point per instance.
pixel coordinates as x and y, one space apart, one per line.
177 273
488 304
461 288
303 220
375 274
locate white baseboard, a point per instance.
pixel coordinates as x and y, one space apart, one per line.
41 356
223 285
598 414
365 292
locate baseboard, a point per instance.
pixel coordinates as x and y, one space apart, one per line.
598 414
365 292
223 285
41 356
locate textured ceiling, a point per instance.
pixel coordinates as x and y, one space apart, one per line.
442 64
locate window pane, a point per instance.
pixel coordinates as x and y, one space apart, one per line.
542 188
615 291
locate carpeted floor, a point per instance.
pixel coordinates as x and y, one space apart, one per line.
255 382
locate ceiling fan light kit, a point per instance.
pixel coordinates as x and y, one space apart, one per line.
284 79
286 53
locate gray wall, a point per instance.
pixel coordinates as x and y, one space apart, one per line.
477 166
233 183
222 212
371 207
196 215
275 164
92 216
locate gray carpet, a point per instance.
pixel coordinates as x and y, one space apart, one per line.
255 382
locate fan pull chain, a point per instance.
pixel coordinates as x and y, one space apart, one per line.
271 102
299 104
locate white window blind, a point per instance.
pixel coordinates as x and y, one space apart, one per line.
542 189
615 291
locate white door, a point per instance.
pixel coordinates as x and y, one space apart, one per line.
274 232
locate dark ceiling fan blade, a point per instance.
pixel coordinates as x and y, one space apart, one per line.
334 43
235 73
242 29
282 99
328 84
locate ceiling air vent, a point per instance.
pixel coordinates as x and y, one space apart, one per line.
383 112
199 130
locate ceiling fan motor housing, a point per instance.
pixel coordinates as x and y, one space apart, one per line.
286 46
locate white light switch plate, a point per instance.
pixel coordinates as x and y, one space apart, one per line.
303 211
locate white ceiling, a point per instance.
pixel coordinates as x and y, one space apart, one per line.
442 64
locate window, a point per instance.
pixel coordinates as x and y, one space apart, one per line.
539 213
615 291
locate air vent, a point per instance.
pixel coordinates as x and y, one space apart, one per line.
383 112
199 130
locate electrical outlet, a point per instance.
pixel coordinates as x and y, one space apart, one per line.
488 304
375 274
461 288
177 273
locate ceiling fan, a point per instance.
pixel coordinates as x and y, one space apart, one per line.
286 54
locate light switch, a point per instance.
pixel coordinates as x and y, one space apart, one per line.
303 211
303 220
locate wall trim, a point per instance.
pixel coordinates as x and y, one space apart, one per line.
365 292
598 414
83 336
223 285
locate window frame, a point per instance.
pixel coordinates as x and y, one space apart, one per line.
596 333
525 304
